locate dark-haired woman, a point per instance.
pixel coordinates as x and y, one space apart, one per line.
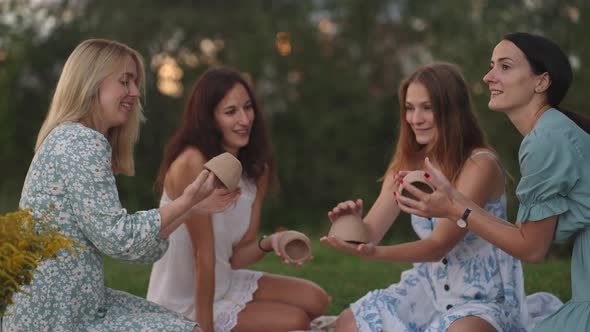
202 274
528 78
459 281
87 137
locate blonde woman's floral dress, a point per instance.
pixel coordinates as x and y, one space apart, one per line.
72 171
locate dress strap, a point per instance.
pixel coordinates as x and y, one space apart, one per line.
490 153
496 159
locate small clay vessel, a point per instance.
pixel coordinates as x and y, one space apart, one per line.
350 228
227 169
294 246
417 179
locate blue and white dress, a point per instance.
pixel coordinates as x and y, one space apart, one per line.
474 279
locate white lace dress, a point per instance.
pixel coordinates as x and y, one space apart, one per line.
172 282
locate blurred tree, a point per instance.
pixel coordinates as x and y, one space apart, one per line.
326 73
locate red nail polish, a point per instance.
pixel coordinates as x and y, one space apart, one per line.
394 194
396 202
401 180
426 175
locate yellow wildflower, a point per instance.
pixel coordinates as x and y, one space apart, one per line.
25 241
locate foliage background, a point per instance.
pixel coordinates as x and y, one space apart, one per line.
328 87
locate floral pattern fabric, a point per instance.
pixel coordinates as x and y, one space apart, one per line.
475 278
72 172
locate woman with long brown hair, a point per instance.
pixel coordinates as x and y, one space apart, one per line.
459 282
203 274
528 78
87 137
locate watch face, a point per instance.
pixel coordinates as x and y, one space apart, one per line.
461 223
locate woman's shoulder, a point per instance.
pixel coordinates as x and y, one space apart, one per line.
183 170
78 130
553 130
191 156
483 163
483 156
74 135
190 160
553 124
482 177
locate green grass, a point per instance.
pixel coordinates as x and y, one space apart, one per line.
346 278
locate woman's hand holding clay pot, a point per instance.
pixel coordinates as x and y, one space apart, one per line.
292 247
365 250
347 207
219 200
442 203
348 232
398 177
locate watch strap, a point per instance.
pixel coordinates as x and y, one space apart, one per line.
462 222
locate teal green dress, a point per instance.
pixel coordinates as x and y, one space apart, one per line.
555 166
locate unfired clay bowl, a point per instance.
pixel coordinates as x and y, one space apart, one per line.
350 228
294 246
417 179
227 169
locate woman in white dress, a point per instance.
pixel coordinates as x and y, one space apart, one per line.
87 137
202 274
459 281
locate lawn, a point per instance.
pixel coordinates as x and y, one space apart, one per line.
347 278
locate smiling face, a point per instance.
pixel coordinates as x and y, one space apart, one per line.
234 116
419 113
118 96
511 80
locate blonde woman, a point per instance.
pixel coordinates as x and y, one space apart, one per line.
87 137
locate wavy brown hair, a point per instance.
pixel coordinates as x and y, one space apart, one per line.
198 128
458 132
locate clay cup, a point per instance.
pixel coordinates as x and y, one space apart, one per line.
350 228
294 246
227 169
417 179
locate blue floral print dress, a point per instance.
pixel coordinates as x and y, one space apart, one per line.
475 278
72 171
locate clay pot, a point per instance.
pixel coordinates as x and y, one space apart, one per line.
350 228
227 169
417 179
294 246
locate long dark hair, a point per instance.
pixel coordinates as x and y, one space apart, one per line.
198 127
545 56
458 131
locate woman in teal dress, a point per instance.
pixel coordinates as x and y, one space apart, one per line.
87 137
529 76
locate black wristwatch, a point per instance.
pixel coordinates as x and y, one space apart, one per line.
260 246
462 222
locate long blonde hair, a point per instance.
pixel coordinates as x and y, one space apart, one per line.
76 96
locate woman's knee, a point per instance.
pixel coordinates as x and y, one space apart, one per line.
297 319
471 323
318 300
346 322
